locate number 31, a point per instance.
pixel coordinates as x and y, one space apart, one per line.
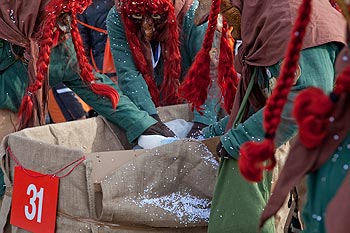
35 195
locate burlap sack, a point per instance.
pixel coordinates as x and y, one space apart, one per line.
8 121
167 187
184 171
49 148
180 111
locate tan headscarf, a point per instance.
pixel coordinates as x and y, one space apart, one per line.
265 31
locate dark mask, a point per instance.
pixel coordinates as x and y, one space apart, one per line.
150 16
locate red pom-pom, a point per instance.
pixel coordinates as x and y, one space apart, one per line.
253 158
312 110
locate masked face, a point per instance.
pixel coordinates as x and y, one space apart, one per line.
150 24
149 15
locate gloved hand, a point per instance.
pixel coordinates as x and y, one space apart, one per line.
196 129
221 152
159 128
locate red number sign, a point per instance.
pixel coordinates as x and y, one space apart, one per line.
34 201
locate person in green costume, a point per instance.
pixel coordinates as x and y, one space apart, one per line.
12 87
153 44
20 80
264 28
320 152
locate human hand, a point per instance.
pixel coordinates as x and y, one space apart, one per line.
221 152
159 128
196 130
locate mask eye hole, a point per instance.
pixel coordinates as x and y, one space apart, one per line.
136 16
156 16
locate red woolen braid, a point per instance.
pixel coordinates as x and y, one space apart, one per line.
25 111
313 109
254 154
172 61
139 58
86 69
195 86
227 79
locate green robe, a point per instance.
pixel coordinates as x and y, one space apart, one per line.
322 185
11 89
317 65
63 68
13 82
131 80
237 204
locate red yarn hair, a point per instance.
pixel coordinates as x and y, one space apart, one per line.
197 81
227 80
52 10
85 68
254 154
171 52
195 86
26 108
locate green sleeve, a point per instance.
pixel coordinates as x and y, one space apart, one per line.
317 69
130 79
13 78
323 184
252 129
191 42
215 129
127 116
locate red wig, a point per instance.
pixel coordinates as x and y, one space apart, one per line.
254 154
171 52
197 82
227 80
46 41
